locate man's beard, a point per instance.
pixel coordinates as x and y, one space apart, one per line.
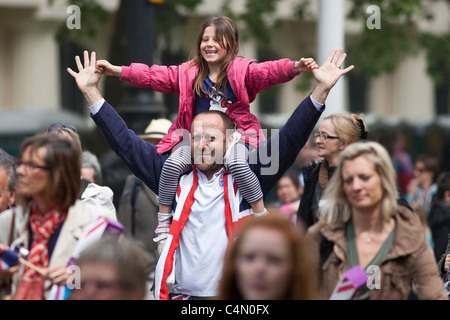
208 160
209 168
211 164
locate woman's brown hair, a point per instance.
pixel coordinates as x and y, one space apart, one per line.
62 156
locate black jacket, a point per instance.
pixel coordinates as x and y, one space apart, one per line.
311 193
439 223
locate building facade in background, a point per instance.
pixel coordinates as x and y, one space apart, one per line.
33 64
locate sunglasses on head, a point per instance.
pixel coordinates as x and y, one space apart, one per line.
58 126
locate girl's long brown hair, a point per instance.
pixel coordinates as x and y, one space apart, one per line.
228 35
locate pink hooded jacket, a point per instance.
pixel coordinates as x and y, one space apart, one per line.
245 77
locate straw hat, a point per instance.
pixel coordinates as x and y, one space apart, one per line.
157 129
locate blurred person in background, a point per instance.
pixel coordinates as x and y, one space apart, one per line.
48 219
394 142
444 267
90 192
439 215
364 225
268 261
420 212
289 191
8 187
8 181
112 268
423 186
90 167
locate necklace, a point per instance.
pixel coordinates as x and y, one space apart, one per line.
367 238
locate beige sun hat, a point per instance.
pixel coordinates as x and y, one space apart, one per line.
157 129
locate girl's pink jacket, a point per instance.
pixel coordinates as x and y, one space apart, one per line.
245 77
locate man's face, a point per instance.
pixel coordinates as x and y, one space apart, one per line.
208 142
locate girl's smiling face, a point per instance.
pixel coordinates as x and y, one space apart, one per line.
210 47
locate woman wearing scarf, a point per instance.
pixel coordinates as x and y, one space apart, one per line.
49 218
336 131
366 227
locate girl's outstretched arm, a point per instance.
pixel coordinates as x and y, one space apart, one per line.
108 69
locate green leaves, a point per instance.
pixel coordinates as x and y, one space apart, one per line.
92 16
437 49
378 51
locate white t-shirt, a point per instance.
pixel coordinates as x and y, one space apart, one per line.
203 240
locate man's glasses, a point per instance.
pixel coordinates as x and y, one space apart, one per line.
58 126
323 136
30 165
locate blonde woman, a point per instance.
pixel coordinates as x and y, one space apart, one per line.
365 226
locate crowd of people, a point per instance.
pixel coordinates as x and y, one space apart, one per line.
194 222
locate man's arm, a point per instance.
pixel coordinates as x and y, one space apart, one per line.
140 156
283 147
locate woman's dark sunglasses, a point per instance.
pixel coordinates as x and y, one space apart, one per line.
58 126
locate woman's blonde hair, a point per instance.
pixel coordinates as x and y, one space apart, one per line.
349 127
337 204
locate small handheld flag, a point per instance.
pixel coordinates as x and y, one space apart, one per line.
349 283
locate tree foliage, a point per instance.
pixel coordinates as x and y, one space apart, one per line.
438 52
93 16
